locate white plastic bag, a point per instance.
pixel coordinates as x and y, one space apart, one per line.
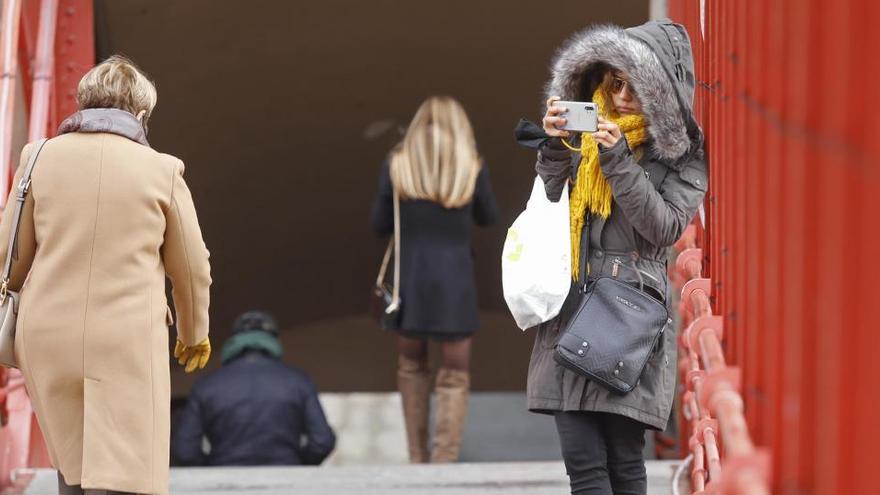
536 262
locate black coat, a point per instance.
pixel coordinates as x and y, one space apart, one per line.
437 286
254 411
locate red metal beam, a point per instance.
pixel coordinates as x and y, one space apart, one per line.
44 65
713 407
74 56
10 19
27 43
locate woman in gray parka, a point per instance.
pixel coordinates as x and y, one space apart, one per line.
658 177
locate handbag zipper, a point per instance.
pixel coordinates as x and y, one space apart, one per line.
615 270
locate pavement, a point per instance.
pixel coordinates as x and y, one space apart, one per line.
505 449
510 478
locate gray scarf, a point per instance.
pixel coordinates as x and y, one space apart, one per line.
110 120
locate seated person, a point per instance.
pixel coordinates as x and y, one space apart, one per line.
254 410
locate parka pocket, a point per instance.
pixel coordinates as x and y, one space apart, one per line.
623 268
695 176
548 334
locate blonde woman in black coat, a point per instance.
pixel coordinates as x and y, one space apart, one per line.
444 189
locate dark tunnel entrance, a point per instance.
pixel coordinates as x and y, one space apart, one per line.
283 113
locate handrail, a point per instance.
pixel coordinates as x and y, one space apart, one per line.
11 20
711 405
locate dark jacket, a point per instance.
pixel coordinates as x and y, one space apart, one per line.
253 411
654 200
437 286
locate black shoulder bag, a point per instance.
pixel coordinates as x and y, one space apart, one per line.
613 332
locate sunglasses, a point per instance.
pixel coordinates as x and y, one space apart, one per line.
617 85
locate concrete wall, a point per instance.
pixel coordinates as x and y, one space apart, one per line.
283 112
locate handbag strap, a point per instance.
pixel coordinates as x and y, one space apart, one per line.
24 185
395 293
393 247
385 260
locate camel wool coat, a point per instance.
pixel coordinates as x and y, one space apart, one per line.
106 219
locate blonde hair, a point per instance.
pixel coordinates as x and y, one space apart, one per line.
438 159
117 83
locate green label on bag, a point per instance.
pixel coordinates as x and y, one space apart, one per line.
515 252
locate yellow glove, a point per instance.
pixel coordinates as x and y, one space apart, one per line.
193 356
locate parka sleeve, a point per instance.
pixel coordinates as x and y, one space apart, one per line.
554 167
658 215
186 263
26 245
382 213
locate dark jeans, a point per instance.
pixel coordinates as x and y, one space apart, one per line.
602 453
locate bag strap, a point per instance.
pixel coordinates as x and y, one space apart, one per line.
395 293
24 185
385 260
393 246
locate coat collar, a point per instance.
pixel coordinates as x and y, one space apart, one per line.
109 120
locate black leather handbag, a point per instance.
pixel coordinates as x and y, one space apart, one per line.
385 303
612 334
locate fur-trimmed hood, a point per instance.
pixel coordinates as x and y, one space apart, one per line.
657 58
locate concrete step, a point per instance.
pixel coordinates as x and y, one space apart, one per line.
370 431
511 478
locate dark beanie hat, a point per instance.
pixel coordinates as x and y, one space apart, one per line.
255 320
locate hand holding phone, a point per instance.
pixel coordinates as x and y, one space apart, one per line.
565 116
580 116
554 119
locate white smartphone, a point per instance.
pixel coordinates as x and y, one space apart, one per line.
580 116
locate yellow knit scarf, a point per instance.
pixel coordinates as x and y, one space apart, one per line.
591 189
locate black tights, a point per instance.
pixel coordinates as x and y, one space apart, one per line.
454 354
602 453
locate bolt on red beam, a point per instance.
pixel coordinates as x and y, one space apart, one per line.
690 310
689 264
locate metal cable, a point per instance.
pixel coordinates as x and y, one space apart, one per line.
676 477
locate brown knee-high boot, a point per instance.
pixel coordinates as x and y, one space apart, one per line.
452 390
414 383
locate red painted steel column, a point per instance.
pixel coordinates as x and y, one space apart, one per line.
74 56
10 18
44 65
792 240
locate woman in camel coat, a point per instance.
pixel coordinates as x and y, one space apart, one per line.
106 219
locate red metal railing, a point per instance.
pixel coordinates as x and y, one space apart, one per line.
711 404
785 93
